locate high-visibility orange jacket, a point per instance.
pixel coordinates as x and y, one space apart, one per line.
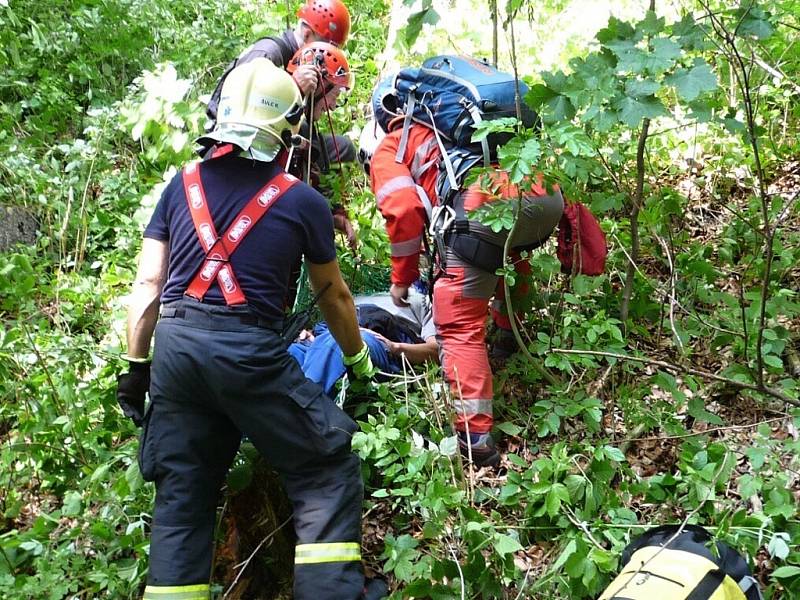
398 198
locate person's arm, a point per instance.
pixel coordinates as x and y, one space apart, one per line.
417 353
144 299
337 305
396 195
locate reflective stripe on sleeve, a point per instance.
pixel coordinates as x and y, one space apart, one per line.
306 554
473 406
407 248
200 591
394 184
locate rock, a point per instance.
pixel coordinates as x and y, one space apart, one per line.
17 226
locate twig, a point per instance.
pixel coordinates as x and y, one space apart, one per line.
244 564
671 293
659 363
582 526
698 433
460 574
524 583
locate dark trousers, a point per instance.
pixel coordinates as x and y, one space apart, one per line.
215 378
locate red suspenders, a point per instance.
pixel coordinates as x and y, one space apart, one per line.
218 250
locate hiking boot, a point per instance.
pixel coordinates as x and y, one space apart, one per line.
504 344
484 453
374 589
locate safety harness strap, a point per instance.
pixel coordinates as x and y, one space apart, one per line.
217 249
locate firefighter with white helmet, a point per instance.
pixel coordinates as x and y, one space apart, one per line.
211 282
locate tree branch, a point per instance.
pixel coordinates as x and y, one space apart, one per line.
692 371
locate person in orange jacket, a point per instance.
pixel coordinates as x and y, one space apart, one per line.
405 193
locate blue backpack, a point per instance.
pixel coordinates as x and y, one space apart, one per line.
451 95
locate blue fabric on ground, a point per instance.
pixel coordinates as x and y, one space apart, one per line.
322 362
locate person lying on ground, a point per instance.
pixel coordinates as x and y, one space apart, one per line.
392 334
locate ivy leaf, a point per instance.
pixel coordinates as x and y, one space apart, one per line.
633 110
641 87
690 83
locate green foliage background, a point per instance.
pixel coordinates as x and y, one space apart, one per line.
99 103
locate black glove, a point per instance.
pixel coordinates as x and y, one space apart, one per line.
131 389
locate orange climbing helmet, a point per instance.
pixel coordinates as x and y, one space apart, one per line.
329 19
330 61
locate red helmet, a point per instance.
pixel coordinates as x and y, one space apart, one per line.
329 19
330 61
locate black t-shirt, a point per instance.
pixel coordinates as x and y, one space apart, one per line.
298 224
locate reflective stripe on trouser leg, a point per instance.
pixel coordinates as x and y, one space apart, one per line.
325 552
327 499
199 591
460 320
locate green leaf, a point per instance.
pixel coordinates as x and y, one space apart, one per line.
449 446
552 503
539 94
415 22
786 572
778 546
691 83
633 110
665 52
72 504
505 544
615 30
553 422
509 428
641 87
568 551
697 409
240 476
650 25
614 454
754 22
381 493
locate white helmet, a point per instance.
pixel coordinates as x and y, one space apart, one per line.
368 142
260 108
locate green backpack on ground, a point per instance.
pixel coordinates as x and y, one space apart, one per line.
659 565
